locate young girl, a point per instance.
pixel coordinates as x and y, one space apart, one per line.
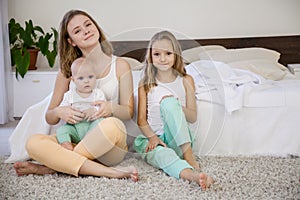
166 103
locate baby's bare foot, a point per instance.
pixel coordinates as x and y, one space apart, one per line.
205 181
25 168
67 145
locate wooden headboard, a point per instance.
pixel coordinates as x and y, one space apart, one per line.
288 46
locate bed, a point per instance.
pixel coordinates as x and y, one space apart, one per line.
247 99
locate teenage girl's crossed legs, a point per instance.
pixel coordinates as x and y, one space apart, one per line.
45 149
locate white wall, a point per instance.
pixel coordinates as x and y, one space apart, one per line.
197 19
136 19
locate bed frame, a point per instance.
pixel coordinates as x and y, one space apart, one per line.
288 46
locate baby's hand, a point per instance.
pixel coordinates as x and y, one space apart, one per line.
67 145
89 113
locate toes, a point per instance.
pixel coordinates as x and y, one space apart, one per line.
203 181
134 175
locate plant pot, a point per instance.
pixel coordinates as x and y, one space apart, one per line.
33 58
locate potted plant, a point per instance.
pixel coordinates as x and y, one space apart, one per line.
25 43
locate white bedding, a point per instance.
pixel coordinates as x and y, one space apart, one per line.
244 115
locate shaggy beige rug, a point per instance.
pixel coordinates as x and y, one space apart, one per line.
236 178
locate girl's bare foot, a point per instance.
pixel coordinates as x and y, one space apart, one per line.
205 181
25 168
127 172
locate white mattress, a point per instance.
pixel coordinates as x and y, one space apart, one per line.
266 129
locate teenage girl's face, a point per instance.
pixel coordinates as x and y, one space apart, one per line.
82 32
85 79
163 54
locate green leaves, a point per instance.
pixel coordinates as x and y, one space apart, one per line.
43 43
30 37
51 55
22 61
13 31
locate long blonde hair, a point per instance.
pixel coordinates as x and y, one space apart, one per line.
67 52
150 72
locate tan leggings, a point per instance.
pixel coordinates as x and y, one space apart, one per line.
106 143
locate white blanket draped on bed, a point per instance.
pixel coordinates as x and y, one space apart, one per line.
217 82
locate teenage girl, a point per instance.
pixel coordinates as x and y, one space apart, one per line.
105 145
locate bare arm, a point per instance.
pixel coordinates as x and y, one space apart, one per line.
125 109
142 112
190 110
61 86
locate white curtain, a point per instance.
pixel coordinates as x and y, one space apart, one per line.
6 89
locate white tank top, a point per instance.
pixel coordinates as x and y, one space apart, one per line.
154 96
108 84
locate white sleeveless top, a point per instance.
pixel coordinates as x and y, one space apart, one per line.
108 84
154 96
72 98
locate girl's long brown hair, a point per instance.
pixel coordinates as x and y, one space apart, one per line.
67 52
150 72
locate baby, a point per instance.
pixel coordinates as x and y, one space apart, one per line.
80 98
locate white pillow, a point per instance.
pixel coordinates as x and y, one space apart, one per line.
266 68
232 55
134 64
192 54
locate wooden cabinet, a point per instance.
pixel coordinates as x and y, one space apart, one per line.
35 86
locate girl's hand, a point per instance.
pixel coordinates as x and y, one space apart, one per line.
69 114
104 109
153 142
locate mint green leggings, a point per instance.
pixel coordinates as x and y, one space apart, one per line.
75 132
176 133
